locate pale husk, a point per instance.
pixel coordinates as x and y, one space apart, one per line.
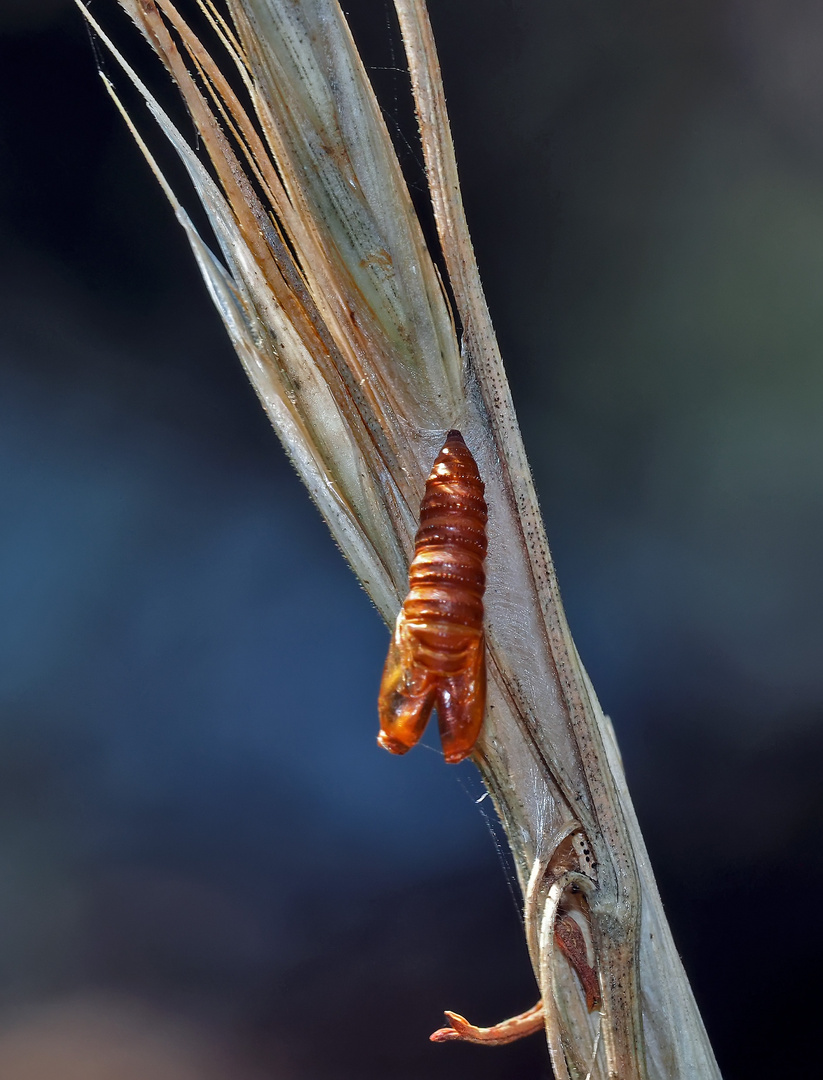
339 317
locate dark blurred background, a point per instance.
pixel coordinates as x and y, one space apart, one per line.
207 868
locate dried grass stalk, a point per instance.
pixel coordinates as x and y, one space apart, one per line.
340 319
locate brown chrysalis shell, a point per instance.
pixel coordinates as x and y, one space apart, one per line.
437 656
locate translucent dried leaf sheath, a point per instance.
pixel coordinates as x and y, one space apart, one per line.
337 313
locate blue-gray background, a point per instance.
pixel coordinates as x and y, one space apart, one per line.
207 868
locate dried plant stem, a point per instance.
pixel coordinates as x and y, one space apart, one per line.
339 317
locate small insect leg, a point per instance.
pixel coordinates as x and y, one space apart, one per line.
516 1027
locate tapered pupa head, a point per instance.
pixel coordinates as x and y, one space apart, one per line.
454 452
